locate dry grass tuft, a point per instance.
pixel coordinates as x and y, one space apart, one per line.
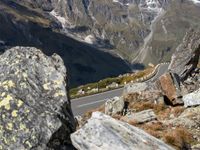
140 106
178 138
154 128
177 110
117 116
133 122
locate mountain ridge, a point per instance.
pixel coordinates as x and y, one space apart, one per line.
19 26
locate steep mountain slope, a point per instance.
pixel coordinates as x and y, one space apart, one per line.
141 31
23 26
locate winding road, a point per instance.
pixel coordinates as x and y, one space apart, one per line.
84 104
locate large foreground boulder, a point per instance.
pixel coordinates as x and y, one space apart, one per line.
186 57
102 132
35 111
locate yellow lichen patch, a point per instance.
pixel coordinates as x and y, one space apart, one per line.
3 94
57 83
19 103
27 110
28 144
46 86
14 113
5 140
22 126
14 139
7 107
59 93
3 116
8 83
9 126
6 102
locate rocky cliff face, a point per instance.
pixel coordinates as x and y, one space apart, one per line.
140 31
34 106
185 59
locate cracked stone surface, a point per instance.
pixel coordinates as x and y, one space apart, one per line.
33 100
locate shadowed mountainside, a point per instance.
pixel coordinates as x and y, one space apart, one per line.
20 26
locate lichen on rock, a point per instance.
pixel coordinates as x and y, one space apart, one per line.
33 100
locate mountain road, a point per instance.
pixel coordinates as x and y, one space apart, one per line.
84 104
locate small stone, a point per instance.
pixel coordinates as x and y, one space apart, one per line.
192 99
140 117
114 106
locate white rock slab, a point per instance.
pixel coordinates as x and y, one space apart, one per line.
192 99
135 87
102 132
143 116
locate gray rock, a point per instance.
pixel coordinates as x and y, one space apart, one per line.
102 132
188 119
34 106
150 96
114 106
141 117
135 87
192 83
169 84
192 99
186 57
196 147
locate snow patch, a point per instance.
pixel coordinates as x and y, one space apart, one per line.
61 19
90 39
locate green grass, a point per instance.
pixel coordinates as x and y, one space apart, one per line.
102 84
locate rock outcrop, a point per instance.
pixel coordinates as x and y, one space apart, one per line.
186 57
154 96
102 132
192 99
140 117
192 83
114 106
135 87
169 84
35 111
188 119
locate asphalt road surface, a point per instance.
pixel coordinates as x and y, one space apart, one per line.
84 104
